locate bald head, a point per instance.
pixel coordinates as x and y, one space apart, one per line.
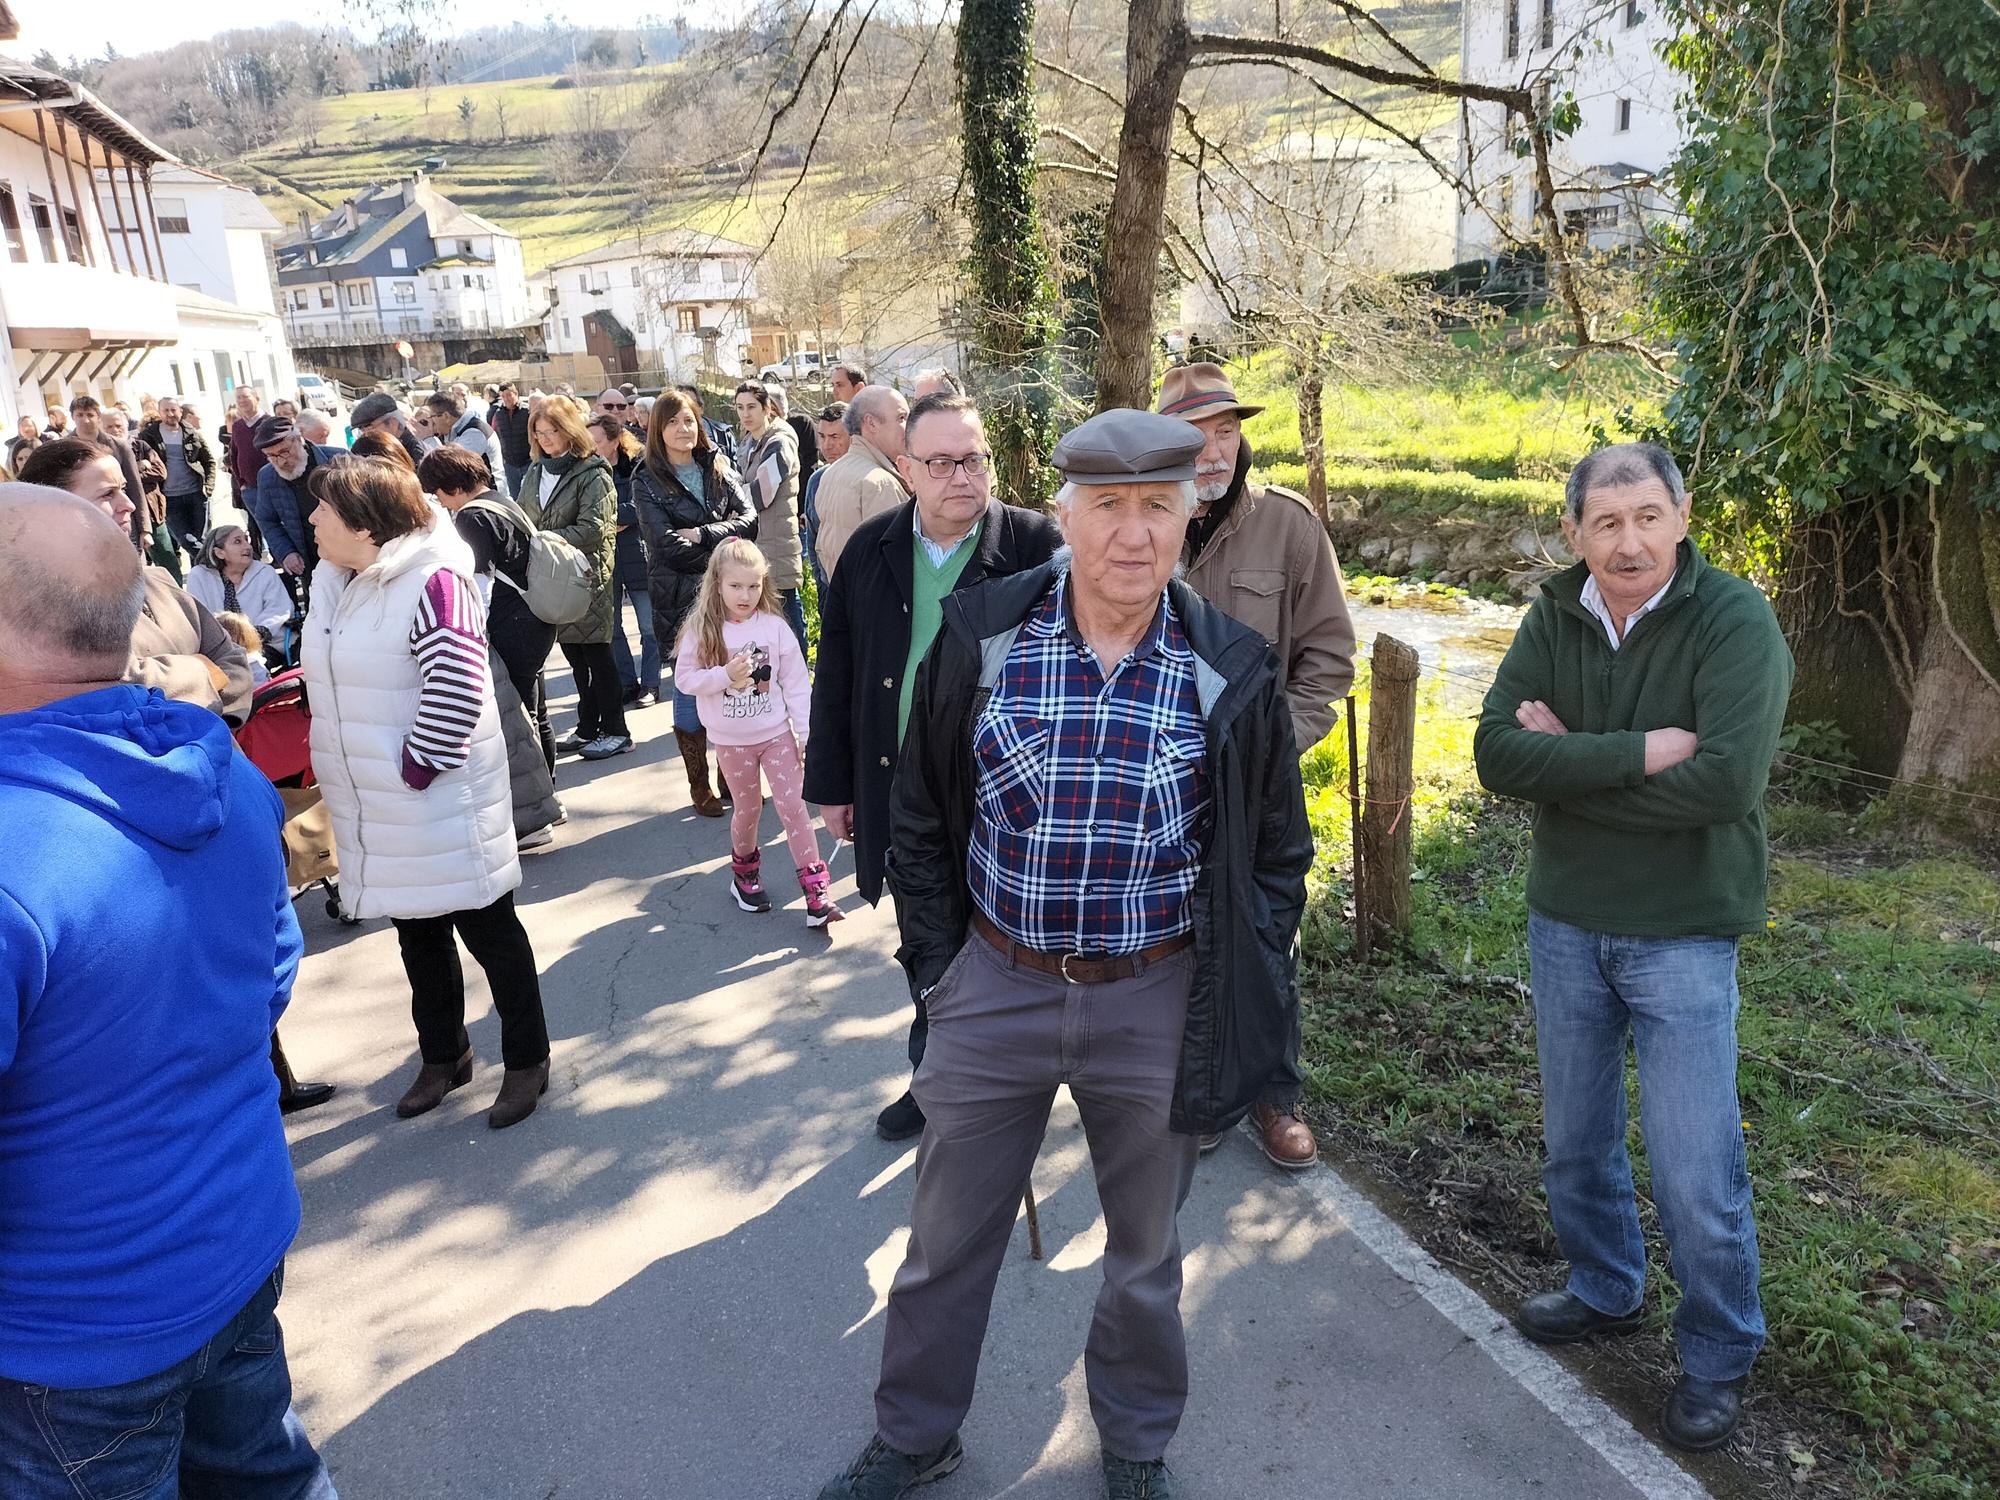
74 587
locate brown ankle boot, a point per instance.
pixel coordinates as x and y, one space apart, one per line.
520 1091
694 755
433 1082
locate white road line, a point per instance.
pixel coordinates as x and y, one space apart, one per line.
1615 1440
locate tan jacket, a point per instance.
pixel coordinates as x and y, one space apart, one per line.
173 644
856 487
1271 566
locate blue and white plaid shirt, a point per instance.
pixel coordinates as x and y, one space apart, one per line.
1091 798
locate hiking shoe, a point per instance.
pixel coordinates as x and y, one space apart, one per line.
607 745
1210 1139
571 744
820 910
885 1473
900 1120
1128 1479
746 884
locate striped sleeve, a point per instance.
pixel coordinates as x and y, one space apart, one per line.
449 642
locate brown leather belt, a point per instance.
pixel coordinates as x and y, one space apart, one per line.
1077 968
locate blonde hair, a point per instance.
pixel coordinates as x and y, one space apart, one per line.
705 619
567 419
239 629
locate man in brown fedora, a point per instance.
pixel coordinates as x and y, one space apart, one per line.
1258 553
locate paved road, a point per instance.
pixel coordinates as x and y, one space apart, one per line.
669 1283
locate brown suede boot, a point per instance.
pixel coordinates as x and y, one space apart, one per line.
694 755
432 1083
520 1091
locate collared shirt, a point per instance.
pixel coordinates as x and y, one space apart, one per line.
1091 793
938 554
1592 599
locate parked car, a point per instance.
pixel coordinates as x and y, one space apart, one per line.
804 365
318 393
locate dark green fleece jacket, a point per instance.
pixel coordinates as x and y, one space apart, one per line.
1683 853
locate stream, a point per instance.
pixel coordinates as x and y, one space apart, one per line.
1459 639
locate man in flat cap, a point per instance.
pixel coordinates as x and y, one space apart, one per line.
1259 554
281 499
1104 893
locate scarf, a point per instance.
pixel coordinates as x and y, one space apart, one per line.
561 465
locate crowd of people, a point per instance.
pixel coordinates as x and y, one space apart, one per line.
1065 743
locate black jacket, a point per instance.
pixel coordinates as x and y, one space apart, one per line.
194 449
1250 894
674 567
864 645
512 429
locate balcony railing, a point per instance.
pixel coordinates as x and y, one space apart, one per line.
308 328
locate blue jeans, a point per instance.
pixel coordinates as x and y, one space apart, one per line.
1677 999
640 597
218 1424
795 616
515 473
687 713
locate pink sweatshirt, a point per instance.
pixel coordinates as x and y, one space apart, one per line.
759 712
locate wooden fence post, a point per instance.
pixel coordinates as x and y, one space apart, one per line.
1354 831
1384 877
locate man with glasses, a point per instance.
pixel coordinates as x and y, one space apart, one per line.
615 404
881 613
866 481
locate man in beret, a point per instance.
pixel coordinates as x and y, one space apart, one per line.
1259 554
1106 894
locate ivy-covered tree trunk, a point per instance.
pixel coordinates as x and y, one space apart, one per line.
1837 298
1014 320
1156 60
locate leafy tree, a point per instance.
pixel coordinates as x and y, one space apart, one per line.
1837 299
466 110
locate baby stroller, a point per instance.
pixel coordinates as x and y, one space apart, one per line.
277 739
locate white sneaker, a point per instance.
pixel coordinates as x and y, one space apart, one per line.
541 838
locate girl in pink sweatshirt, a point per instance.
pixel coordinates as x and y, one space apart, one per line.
743 666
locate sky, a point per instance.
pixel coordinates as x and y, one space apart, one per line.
71 30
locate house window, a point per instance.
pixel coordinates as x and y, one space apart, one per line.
583 281
10 220
465 247
636 278
467 280
1548 30
565 327
175 370
399 260
326 297
200 377
1624 114
360 294
1633 15
732 271
299 300
171 214
406 292
73 234
687 319
45 229
1507 204
1542 100
1513 28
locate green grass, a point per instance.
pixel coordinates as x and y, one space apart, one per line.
1871 1095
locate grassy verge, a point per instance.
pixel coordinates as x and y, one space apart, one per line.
1871 1094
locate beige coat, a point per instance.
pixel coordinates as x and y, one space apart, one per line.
1271 566
174 644
856 487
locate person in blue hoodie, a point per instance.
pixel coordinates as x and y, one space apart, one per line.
146 1193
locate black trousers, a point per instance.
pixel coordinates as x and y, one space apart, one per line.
600 696
495 937
523 643
187 519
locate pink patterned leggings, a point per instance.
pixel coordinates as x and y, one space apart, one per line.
778 760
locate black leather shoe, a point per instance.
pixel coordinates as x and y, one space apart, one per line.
900 1120
1701 1414
304 1096
1565 1318
885 1473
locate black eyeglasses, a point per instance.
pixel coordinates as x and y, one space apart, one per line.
974 464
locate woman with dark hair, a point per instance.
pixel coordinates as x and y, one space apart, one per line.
227 579
689 503
27 437
768 456
407 747
617 447
569 490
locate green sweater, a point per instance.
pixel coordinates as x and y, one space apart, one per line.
929 583
1679 854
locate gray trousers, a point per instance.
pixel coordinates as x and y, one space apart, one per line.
1002 1038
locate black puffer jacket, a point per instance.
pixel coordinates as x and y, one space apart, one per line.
1250 894
673 566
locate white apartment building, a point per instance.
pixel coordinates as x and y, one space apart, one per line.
1607 172
671 302
400 259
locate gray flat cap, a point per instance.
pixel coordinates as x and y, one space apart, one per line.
372 409
1121 446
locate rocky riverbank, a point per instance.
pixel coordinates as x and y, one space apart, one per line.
1515 551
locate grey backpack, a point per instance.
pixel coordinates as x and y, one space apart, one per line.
561 580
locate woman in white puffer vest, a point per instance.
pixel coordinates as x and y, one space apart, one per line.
407 747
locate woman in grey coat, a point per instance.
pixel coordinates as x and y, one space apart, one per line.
568 490
768 459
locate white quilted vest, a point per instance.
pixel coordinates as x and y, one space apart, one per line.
403 853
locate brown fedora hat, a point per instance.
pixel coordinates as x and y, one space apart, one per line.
1196 391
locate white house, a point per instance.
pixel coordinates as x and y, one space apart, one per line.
1607 171
400 259
667 303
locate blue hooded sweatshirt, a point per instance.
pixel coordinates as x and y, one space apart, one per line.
147 947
